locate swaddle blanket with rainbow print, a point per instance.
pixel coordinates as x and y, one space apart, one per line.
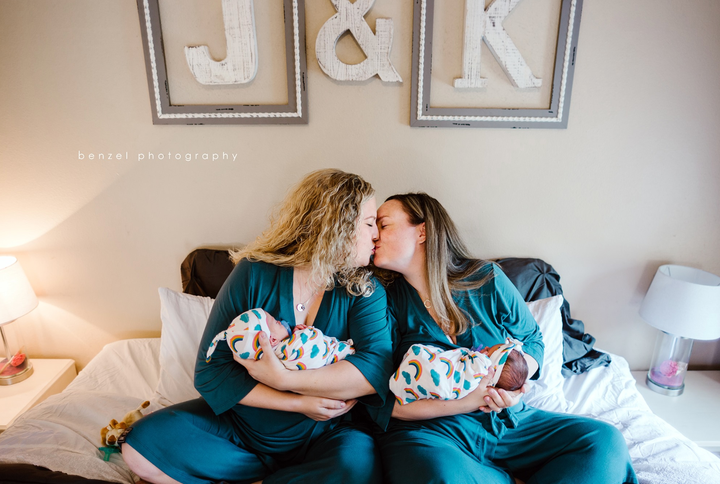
428 372
304 349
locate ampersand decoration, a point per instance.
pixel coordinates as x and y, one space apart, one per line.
351 17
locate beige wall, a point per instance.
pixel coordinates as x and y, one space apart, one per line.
634 181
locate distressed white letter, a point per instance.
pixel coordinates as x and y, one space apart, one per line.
487 25
241 63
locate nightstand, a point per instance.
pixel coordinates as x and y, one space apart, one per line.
49 377
695 412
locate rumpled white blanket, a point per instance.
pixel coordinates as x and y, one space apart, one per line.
63 433
660 454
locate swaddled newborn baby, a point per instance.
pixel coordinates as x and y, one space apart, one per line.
429 372
303 348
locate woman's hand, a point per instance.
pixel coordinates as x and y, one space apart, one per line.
321 409
268 369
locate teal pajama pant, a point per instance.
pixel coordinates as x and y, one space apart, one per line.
192 445
544 448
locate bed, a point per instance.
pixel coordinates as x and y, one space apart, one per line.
57 441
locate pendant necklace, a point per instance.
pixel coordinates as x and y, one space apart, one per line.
303 306
428 306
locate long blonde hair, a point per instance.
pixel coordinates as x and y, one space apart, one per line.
448 261
316 225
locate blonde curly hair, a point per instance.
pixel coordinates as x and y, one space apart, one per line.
316 225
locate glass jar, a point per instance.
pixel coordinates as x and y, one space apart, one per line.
14 363
669 364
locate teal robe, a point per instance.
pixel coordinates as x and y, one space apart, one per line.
223 382
215 438
476 447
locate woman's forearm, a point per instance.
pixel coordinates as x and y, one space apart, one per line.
262 396
341 381
319 409
432 408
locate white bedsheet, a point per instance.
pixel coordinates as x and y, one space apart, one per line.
63 433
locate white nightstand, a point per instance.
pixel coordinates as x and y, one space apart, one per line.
49 377
695 412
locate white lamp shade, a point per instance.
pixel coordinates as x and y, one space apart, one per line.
17 297
684 301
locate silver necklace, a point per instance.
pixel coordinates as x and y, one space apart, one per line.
302 306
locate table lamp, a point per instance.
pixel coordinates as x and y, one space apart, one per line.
683 303
17 298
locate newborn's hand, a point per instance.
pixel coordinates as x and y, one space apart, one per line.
321 409
498 399
268 369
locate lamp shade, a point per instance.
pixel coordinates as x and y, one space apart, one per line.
17 297
684 301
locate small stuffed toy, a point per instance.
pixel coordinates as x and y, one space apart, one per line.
109 435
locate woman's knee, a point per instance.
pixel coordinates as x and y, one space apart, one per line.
143 467
605 444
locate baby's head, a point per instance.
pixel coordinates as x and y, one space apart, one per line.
514 372
279 330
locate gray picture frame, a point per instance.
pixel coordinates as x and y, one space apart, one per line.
423 115
164 112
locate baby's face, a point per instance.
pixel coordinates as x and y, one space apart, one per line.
489 350
277 330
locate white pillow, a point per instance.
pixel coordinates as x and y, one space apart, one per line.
183 321
546 393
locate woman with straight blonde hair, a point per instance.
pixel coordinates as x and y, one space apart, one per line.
441 296
256 420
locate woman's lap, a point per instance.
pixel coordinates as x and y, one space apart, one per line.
191 444
428 456
346 454
544 448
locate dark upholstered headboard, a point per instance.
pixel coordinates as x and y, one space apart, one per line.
204 271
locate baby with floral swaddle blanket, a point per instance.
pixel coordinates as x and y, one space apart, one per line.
303 348
429 372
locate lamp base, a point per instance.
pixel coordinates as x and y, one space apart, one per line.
663 390
17 377
669 364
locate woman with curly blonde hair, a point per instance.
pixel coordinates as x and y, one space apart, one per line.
258 421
